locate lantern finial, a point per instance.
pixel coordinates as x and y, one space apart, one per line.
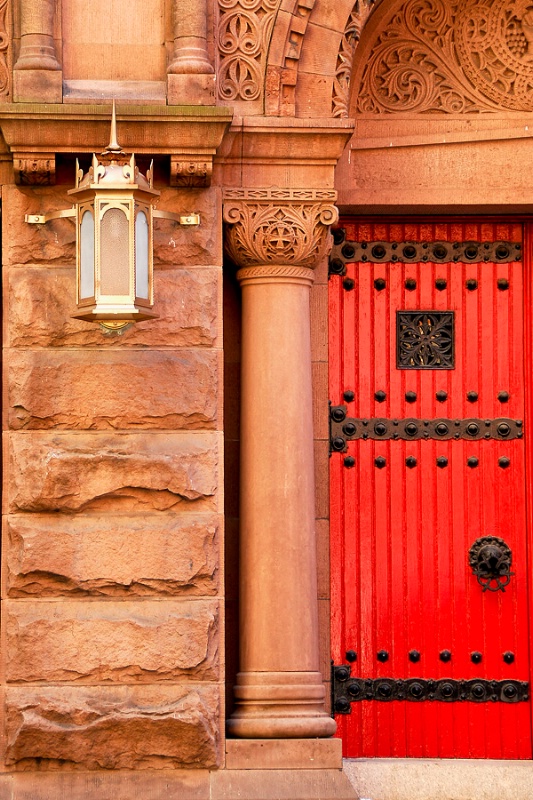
113 148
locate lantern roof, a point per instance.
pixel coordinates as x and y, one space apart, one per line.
115 169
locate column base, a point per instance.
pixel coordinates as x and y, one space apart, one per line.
191 90
280 705
37 86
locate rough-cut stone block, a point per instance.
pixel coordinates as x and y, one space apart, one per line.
103 472
119 727
177 245
84 389
174 245
135 641
55 241
40 301
119 555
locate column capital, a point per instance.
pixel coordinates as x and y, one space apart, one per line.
278 227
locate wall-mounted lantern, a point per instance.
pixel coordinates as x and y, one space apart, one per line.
114 239
114 212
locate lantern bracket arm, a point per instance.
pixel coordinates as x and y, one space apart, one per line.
181 219
40 219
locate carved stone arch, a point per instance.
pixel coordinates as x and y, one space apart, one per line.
445 57
303 55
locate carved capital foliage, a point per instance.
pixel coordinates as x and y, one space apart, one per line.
31 171
190 171
263 229
464 56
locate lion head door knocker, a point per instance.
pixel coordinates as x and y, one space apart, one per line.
491 559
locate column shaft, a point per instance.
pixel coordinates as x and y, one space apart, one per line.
190 38
37 48
279 689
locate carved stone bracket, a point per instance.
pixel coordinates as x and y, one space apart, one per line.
31 170
190 171
267 228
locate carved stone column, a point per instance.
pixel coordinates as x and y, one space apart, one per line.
190 57
37 75
275 237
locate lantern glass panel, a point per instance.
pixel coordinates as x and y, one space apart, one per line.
141 256
87 255
114 253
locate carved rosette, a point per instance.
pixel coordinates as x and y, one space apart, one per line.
269 231
465 56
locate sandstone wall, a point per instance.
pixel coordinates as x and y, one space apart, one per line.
112 528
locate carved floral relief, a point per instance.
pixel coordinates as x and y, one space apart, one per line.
349 42
244 32
4 48
467 56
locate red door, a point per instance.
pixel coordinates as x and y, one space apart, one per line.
430 614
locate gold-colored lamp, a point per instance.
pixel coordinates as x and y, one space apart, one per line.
114 214
114 239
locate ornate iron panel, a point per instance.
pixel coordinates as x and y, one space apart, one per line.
425 463
425 339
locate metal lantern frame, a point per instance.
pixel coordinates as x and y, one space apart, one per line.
114 254
114 257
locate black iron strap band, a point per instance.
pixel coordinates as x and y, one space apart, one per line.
345 251
348 690
344 429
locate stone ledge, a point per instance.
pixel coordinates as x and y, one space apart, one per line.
33 129
434 779
268 754
283 784
179 785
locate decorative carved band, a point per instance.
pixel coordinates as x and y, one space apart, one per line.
297 274
243 36
450 57
280 194
286 234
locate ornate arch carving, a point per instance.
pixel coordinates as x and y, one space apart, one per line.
437 56
345 58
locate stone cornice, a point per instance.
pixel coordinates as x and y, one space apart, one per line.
278 140
39 131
